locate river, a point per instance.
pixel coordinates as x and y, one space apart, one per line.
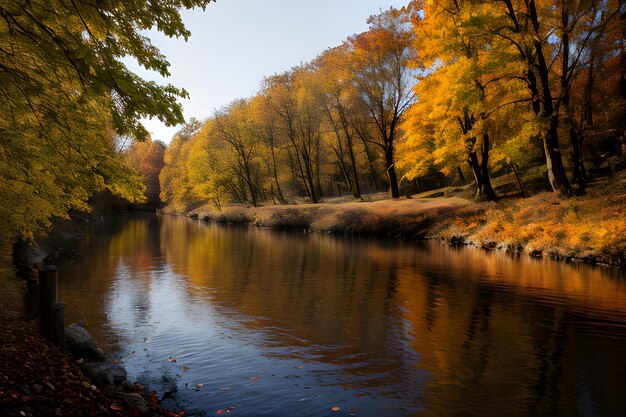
289 323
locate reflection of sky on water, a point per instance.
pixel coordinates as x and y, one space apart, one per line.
168 337
294 323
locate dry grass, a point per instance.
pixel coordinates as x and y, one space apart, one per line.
590 227
409 219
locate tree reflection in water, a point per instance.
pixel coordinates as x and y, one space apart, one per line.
382 327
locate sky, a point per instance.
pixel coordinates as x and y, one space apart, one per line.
235 43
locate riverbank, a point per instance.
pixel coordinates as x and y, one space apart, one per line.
37 379
589 228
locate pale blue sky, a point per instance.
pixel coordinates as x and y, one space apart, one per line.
235 43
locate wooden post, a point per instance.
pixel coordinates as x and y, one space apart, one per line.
47 297
58 324
31 297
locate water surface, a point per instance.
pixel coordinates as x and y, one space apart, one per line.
293 324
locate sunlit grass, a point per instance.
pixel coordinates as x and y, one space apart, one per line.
593 225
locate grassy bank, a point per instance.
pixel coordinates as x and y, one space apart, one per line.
407 219
590 228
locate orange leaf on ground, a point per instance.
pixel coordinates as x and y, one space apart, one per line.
335 408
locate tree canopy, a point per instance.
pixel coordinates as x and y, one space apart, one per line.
67 93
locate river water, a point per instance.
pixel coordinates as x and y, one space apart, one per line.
293 324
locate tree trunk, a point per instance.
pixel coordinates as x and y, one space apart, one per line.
577 161
472 161
579 172
309 176
281 197
519 182
356 190
486 188
391 173
554 160
251 188
461 176
371 160
344 173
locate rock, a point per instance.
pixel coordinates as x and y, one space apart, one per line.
105 373
81 344
169 387
134 401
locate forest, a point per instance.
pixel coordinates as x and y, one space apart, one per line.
433 94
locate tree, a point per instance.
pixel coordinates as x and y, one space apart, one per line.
66 94
384 80
147 158
233 127
337 98
266 129
470 84
174 179
291 100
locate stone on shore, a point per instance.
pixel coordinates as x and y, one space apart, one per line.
81 344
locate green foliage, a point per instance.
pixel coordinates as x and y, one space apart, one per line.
66 93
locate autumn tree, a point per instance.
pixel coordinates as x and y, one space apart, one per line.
233 127
471 88
384 79
337 98
290 98
174 180
66 94
544 34
147 158
265 127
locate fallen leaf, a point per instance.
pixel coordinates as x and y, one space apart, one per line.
199 385
116 407
254 378
116 361
335 408
220 411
